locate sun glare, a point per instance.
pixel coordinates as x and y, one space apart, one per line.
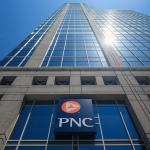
109 38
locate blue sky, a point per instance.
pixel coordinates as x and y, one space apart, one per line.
20 17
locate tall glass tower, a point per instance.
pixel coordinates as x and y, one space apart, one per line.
85 37
79 53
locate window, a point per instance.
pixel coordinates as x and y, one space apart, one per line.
39 80
88 80
62 80
143 80
7 80
110 80
34 129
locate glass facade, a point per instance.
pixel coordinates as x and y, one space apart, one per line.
35 130
128 32
76 45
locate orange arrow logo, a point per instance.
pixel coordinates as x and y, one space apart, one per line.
70 107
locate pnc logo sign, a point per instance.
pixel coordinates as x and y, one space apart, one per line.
74 117
70 107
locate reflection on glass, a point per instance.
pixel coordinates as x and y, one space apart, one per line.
109 38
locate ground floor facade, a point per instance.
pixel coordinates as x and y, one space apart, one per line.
120 99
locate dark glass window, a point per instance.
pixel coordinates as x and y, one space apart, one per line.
110 80
62 80
110 119
38 123
39 80
21 122
7 80
143 80
128 121
88 80
10 148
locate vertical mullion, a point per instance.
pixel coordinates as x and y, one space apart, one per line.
74 51
86 53
125 126
100 127
26 123
75 43
49 131
127 130
61 25
65 41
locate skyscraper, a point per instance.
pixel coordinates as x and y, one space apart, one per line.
99 59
